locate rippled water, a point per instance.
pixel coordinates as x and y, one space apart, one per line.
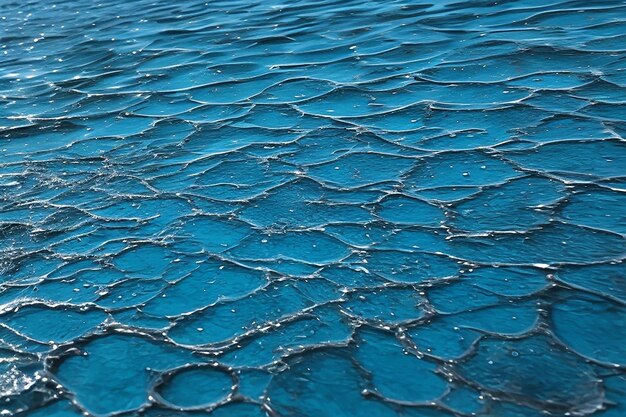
312 208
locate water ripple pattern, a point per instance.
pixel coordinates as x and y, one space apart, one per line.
312 208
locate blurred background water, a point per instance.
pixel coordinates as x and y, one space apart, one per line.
312 208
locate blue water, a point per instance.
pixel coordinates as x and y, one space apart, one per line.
314 208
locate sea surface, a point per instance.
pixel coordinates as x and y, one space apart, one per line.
312 208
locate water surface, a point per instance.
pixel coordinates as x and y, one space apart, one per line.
312 208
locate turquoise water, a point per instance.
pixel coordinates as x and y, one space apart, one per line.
312 208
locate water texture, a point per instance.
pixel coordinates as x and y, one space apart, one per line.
312 208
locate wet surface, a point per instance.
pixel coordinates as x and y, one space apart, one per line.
316 208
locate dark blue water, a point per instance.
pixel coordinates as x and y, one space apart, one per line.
312 208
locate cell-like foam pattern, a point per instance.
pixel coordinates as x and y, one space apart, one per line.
313 208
